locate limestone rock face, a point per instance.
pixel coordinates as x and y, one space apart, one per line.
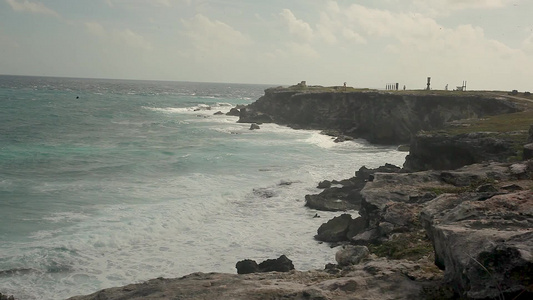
485 247
444 152
383 118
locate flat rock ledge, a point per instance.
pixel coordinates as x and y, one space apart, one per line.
374 279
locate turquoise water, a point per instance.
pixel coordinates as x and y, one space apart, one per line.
108 182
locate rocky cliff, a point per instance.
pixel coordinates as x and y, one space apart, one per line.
379 117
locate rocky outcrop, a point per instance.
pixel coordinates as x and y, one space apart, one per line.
440 151
379 117
345 194
478 219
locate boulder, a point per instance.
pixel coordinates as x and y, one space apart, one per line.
280 264
351 255
334 230
218 113
254 126
485 247
247 266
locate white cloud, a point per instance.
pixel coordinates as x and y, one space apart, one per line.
124 37
156 3
444 7
527 44
31 7
213 38
297 27
6 41
95 29
303 51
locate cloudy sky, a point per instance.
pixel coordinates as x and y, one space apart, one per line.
366 43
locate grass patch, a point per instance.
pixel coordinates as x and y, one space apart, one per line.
406 245
514 122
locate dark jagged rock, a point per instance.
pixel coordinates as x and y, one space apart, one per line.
280 264
384 118
324 184
233 112
335 230
218 113
254 126
435 151
247 266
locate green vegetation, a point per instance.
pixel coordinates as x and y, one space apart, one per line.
406 245
514 122
439 190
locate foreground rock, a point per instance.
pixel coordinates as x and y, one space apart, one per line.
479 220
484 246
374 279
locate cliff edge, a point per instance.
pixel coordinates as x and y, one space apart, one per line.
377 116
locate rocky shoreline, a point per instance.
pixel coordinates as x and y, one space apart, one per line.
456 221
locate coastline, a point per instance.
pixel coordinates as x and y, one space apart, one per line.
394 206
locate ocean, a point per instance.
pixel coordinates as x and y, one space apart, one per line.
110 182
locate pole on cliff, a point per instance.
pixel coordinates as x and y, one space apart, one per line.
429 82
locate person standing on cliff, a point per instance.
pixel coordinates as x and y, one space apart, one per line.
345 86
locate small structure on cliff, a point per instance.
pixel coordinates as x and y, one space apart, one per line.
462 88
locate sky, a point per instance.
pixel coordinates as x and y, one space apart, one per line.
367 43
